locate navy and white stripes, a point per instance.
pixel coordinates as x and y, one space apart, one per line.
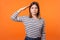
34 28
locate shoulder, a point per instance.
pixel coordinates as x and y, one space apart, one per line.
44 22
42 19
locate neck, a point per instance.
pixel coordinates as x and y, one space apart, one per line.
34 16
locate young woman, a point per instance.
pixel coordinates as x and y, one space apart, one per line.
34 24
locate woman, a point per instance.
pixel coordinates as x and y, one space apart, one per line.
34 24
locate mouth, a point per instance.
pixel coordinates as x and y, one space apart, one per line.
34 12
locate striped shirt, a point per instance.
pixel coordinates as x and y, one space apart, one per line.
34 28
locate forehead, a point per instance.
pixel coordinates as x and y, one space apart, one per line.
34 5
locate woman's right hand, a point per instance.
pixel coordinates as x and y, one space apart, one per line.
21 9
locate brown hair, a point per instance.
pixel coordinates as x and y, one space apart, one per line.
36 3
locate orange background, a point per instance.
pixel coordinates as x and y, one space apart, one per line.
11 30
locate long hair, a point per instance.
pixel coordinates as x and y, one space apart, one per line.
38 13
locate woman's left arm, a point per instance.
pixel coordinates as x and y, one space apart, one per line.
43 33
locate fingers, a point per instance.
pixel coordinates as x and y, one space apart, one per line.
26 7
23 8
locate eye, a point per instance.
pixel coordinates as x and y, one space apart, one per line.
32 8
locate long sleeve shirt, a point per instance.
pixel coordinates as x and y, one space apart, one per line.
34 28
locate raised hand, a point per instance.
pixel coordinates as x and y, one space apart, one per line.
23 8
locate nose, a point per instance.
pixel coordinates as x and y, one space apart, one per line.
34 10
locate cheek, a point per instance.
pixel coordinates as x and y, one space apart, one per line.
31 10
36 10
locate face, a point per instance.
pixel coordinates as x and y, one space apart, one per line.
34 9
